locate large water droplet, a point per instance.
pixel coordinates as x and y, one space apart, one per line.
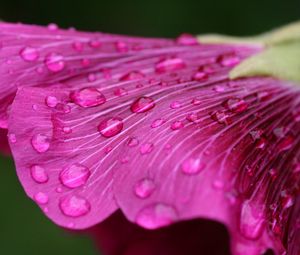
55 62
41 198
74 176
168 65
88 97
74 206
192 166
252 220
142 104
144 188
40 143
29 54
39 174
157 215
110 127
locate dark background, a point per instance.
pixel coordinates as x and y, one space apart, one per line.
23 228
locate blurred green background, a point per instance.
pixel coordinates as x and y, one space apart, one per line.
23 228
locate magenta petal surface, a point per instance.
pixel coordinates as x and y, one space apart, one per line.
165 136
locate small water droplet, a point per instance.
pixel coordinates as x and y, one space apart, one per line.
236 105
168 65
55 62
196 101
51 101
39 174
286 143
41 198
121 47
95 43
187 39
78 46
12 138
144 188
119 92
142 104
175 105
157 215
221 117
74 176
134 75
228 60
132 142
177 125
146 148
67 130
110 127
192 166
52 27
192 117
88 97
74 206
29 54
40 143
252 220
219 88
92 77
261 143
200 76
157 123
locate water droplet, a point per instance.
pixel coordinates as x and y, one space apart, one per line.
39 174
192 117
221 117
256 134
52 27
286 200
261 143
85 62
119 92
78 46
29 54
146 148
200 76
74 206
142 104
144 188
55 62
157 123
95 43
196 101
252 220
110 127
229 60
41 198
187 39
219 88
92 77
132 142
12 138
88 97
192 166
40 143
177 125
74 176
51 101
67 130
168 65
157 215
134 75
236 105
121 47
286 143
175 105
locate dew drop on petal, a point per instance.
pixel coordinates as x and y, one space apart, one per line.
252 220
157 123
200 76
286 143
177 125
41 198
78 46
132 142
119 92
146 148
52 27
51 101
110 127
121 47
228 60
40 143
134 75
192 117
187 39
39 174
12 138
175 105
192 166
156 215
74 206
74 176
88 97
29 54
236 105
55 62
142 104
144 188
67 130
168 65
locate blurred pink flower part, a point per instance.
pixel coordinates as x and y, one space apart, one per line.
155 128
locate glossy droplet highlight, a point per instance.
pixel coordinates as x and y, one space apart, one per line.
157 215
39 174
74 176
146 148
132 142
157 123
192 166
88 97
144 188
51 101
134 75
29 54
168 65
110 127
40 143
74 206
236 105
228 60
200 76
175 105
187 39
55 62
41 198
12 138
142 104
177 125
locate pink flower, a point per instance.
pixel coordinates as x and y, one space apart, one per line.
156 130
